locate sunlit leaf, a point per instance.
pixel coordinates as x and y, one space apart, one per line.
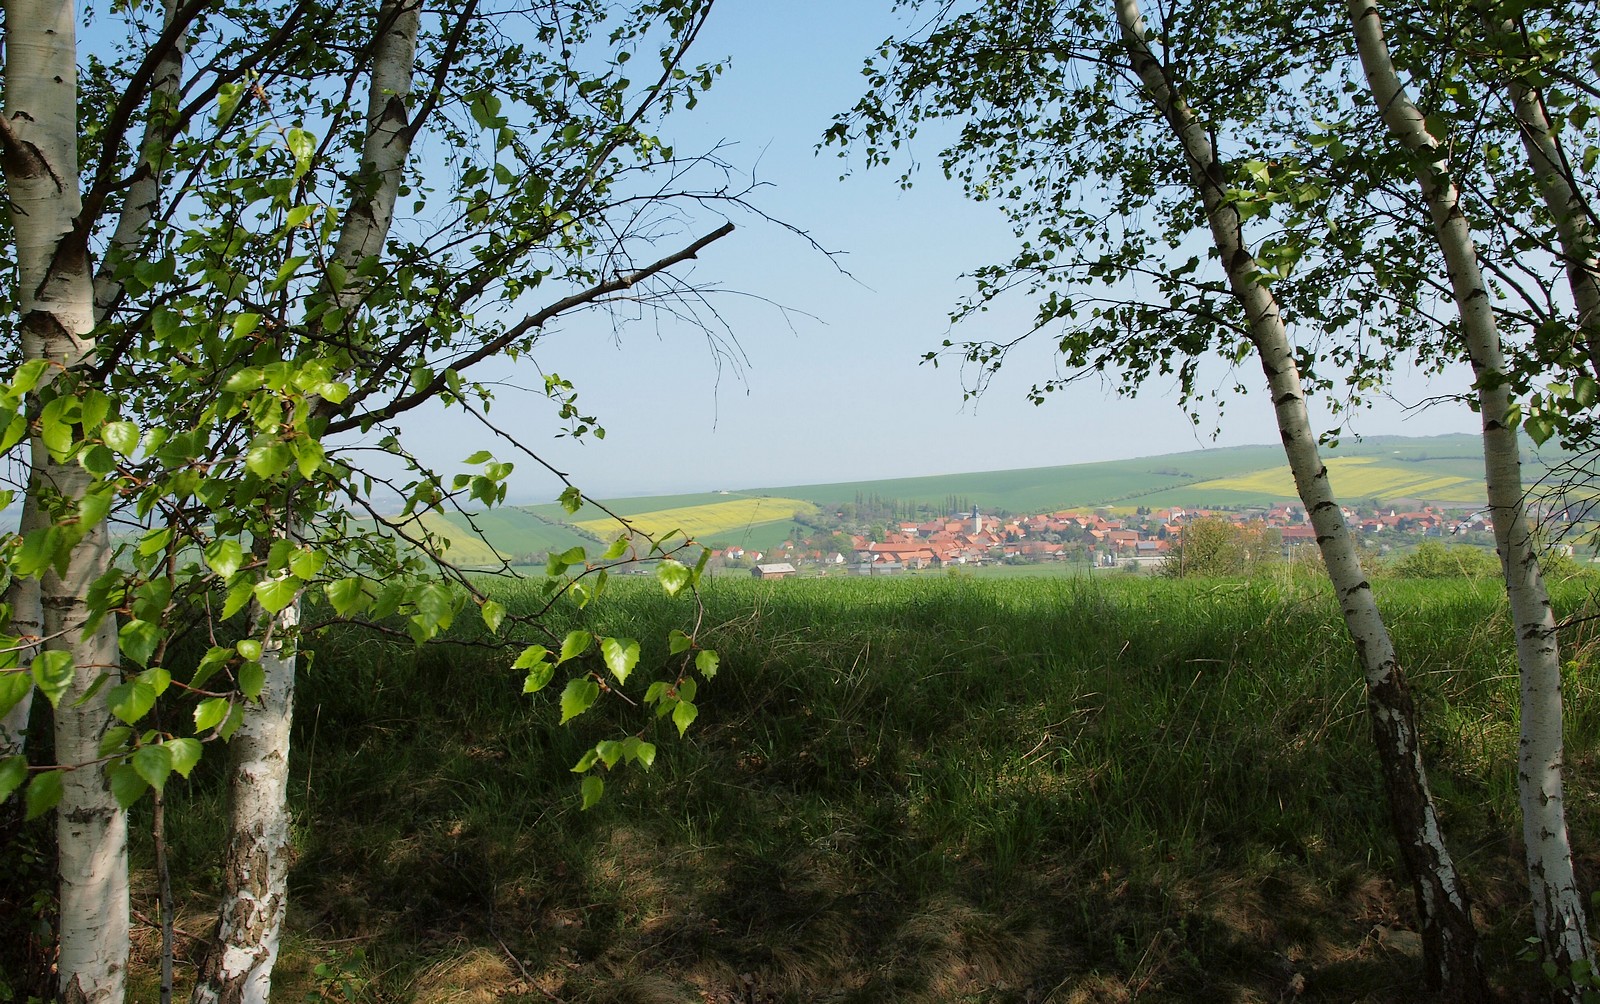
620 655
578 696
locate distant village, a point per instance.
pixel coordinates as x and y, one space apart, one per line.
1101 538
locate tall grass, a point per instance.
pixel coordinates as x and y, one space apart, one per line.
931 789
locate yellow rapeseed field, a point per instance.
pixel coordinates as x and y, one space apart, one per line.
706 521
1355 477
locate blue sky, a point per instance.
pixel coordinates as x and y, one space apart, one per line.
830 387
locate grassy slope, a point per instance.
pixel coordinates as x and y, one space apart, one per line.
921 790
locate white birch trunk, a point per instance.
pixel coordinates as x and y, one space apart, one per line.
1558 908
143 197
1573 225
1449 937
56 306
237 967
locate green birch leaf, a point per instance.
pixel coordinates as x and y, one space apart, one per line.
210 713
275 594
15 684
673 576
609 751
578 697
185 754
574 645
677 642
239 593
154 763
252 677
593 787
706 661
245 325
531 656
436 605
28 376
684 715
305 563
127 786
98 460
346 595
224 557
620 655
55 429
38 551
115 741
267 457
308 456
157 679
155 540
303 146
131 701
215 658
618 548
94 689
249 649
244 381
539 676
94 505
642 752
52 673
572 556
138 640
494 614
13 771
44 792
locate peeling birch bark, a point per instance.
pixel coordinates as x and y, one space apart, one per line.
56 304
1558 908
1450 941
238 965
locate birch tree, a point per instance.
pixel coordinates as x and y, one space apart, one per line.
1065 96
254 305
1558 907
55 306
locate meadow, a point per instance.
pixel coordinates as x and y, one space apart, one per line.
942 788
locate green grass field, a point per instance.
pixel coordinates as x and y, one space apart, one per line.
920 789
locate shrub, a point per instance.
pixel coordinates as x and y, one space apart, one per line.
1433 560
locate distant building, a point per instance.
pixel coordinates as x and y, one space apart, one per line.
778 571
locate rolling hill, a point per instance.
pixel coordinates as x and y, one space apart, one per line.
1381 469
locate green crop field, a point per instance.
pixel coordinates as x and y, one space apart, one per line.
724 520
1351 478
